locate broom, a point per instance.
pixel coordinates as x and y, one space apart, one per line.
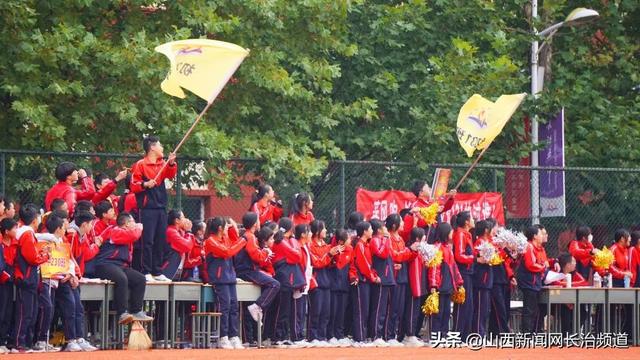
138 337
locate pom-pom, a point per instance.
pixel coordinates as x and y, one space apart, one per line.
432 304
512 240
430 213
486 250
459 295
431 255
603 259
496 260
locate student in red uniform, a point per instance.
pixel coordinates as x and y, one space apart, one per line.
568 265
482 279
263 203
530 273
28 259
320 297
422 191
68 293
582 250
196 256
340 290
401 256
67 175
361 275
151 195
8 231
106 216
620 270
634 258
105 188
287 255
179 244
113 262
302 234
222 244
503 280
464 255
382 262
301 209
445 279
418 291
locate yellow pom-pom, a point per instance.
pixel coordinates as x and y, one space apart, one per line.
496 260
437 260
432 304
459 296
430 213
603 259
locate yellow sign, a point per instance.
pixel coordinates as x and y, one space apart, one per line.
481 120
59 262
200 66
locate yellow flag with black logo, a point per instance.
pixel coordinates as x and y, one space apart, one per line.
201 66
481 120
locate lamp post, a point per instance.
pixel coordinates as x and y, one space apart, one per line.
577 17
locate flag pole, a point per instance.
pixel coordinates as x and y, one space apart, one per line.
185 137
473 165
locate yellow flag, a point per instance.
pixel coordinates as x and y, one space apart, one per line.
201 66
481 120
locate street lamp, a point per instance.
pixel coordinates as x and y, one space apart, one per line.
577 17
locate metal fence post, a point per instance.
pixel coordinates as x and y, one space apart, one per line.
3 173
342 195
178 188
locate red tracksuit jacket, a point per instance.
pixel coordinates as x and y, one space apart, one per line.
621 262
361 267
267 211
62 190
299 218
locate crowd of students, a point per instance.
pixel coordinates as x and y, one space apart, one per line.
360 286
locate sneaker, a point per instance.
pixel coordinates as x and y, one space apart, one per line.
21 351
379 342
85 345
395 343
141 316
161 278
125 318
236 343
284 344
316 343
255 311
333 342
4 350
412 341
345 342
266 343
72 346
225 343
43 346
302 343
149 278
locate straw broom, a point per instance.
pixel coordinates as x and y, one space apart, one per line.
138 337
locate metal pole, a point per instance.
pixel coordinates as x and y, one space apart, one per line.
178 189
342 194
535 88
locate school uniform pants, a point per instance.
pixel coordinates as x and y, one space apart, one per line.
270 287
339 301
500 304
300 309
411 315
46 297
482 305
129 288
227 303
463 313
69 302
380 308
6 311
26 312
396 313
440 321
360 295
530 310
319 313
284 319
149 255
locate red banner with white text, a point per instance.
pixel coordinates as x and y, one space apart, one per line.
380 204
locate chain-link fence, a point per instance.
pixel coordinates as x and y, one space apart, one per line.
604 199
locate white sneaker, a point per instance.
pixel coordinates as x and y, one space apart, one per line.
395 343
149 278
4 350
255 311
43 346
302 344
161 278
286 344
85 345
236 343
333 342
72 346
379 342
266 343
319 344
225 343
412 341
345 342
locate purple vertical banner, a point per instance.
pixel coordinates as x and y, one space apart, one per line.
552 189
